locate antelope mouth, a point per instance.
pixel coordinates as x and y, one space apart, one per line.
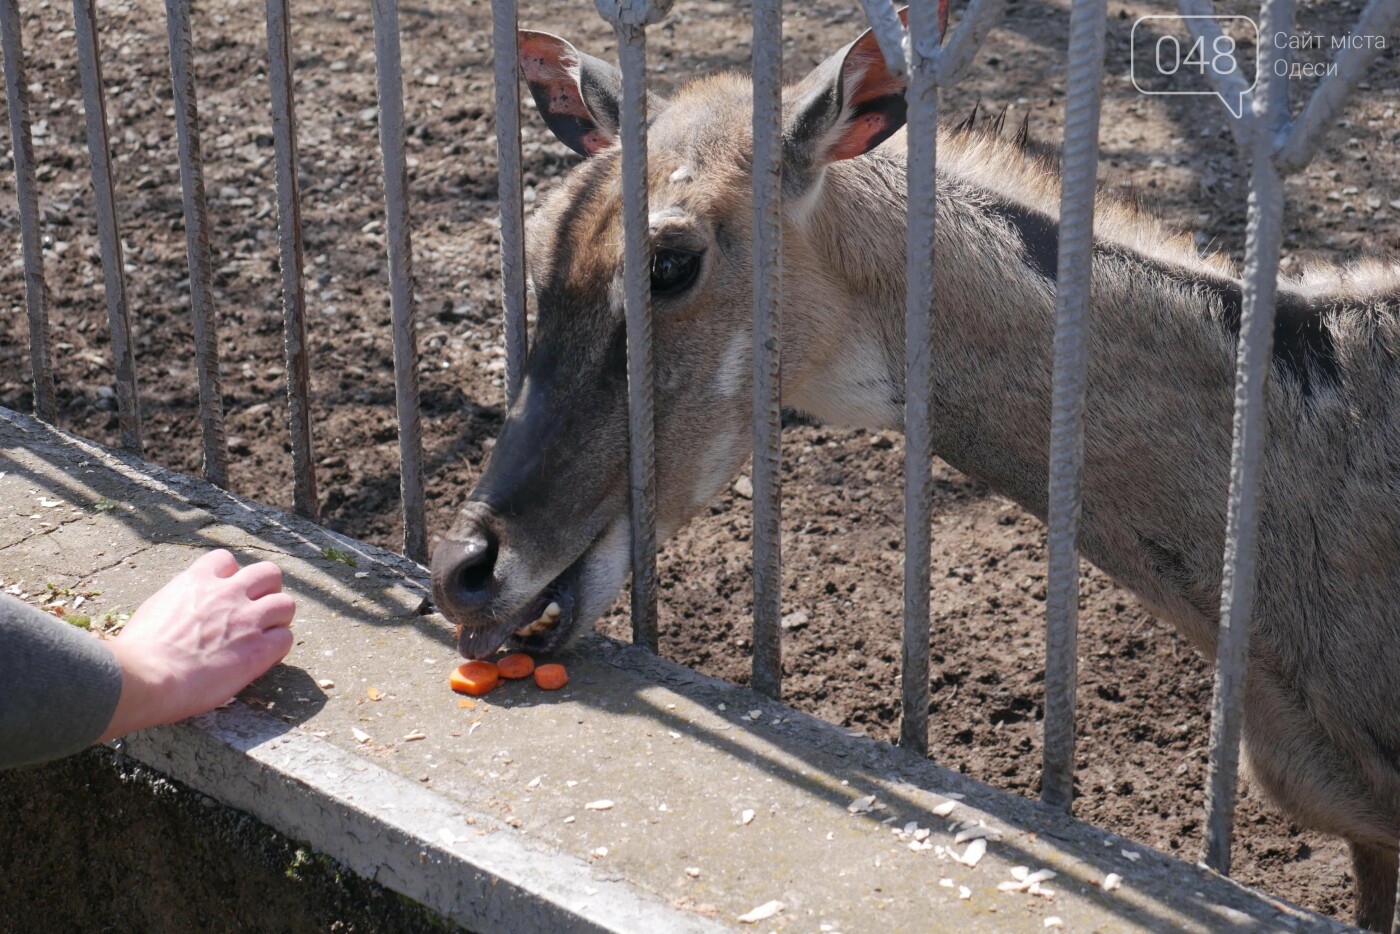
550 625
540 627
545 622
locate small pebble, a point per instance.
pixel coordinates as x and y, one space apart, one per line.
693 871
325 684
603 804
971 833
761 913
974 852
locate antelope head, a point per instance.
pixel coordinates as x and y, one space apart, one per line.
542 548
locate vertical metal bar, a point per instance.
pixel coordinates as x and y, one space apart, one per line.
767 345
1263 241
1235 92
389 73
1087 19
108 235
1395 922
922 99
1395 919
636 278
505 43
206 336
36 294
284 133
888 32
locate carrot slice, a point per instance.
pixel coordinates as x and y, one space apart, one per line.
551 677
474 678
516 666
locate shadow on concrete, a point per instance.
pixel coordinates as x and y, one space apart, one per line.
797 750
158 517
801 752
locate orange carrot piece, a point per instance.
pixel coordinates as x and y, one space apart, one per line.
474 678
551 677
516 666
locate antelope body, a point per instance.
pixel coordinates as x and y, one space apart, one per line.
542 548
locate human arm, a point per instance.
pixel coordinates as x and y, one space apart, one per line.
194 644
58 686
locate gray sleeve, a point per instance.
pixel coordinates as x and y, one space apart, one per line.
58 686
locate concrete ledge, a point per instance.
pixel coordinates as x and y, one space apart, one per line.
464 864
486 820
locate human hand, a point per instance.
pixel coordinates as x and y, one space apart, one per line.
199 641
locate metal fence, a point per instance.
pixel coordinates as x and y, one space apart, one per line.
1274 142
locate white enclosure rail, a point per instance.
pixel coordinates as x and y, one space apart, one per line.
1274 142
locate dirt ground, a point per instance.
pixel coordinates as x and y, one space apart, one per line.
1143 694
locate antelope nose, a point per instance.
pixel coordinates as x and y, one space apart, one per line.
462 571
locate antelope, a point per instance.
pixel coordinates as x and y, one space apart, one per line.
541 549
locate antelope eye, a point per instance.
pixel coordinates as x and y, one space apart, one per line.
673 271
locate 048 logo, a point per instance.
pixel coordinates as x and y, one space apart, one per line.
1169 57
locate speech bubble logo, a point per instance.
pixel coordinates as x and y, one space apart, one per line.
1166 58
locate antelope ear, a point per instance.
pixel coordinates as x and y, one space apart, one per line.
578 95
845 107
